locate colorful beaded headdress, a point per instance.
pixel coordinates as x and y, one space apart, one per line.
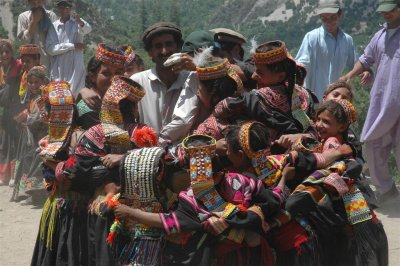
272 56
349 109
29 49
140 172
104 55
60 117
268 168
278 54
201 149
244 138
218 69
110 113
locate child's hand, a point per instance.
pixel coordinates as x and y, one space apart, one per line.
111 160
91 98
286 141
366 78
345 150
111 188
122 212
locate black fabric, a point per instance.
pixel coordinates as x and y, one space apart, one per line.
99 253
191 252
88 120
69 237
249 107
89 173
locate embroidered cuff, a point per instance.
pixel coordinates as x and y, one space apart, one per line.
320 160
170 223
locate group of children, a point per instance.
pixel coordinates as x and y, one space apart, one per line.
268 177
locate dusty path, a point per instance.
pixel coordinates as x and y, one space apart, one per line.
19 225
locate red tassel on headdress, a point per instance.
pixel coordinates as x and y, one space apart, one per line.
145 137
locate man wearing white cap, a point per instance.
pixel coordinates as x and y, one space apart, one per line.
327 50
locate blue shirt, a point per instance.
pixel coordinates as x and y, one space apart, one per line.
325 57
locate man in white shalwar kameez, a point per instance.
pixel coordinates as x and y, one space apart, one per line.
65 45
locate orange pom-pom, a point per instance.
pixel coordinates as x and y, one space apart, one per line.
145 137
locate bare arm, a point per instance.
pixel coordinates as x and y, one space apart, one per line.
152 219
334 155
357 70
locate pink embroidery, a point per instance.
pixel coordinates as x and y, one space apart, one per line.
276 97
59 169
96 135
331 143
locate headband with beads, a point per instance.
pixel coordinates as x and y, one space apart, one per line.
29 49
272 56
277 55
220 69
201 173
244 138
60 117
110 113
349 109
108 57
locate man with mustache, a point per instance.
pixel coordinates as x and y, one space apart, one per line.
161 84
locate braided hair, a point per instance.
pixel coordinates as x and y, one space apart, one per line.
259 137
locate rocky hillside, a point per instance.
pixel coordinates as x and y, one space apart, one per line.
117 21
265 19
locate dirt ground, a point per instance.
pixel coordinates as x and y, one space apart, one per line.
19 225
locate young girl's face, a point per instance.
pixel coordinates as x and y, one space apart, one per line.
28 62
341 93
102 79
34 84
328 126
265 77
5 55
